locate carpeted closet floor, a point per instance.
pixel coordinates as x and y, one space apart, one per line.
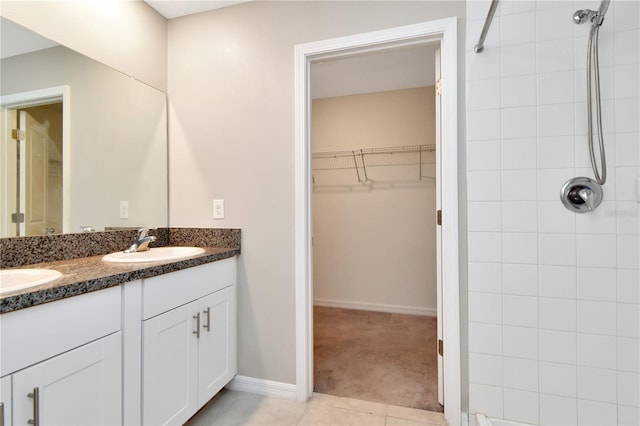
376 356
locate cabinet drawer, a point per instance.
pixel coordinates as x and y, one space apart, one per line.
165 292
33 334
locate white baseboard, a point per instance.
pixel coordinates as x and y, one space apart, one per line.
262 387
377 307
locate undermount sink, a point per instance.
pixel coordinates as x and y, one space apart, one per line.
154 254
18 279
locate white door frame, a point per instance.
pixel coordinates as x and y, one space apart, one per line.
445 31
43 97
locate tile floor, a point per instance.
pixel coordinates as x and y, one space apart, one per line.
240 408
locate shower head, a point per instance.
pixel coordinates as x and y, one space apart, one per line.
594 16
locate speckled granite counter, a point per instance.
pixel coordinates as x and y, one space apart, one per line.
86 274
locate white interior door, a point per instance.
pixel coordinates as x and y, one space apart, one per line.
8 174
439 228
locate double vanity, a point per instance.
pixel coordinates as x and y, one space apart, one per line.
138 338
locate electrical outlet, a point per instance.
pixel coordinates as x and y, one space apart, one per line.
124 210
218 209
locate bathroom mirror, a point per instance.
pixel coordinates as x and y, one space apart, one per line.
83 145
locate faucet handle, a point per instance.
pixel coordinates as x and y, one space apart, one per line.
142 232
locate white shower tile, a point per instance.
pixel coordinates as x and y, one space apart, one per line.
597 317
558 379
558 346
627 112
481 66
627 215
582 158
478 9
629 320
596 250
485 247
597 284
520 311
628 251
592 413
558 410
553 217
483 94
520 374
518 154
519 279
520 248
521 406
474 28
518 59
485 369
626 81
627 47
483 186
484 216
626 181
597 384
510 7
557 281
557 314
520 342
627 149
519 185
517 29
553 23
556 87
628 416
626 15
608 118
518 91
556 152
486 399
483 155
628 288
600 221
519 216
485 277
557 249
628 354
485 308
595 350
556 120
554 55
483 125
628 388
485 338
518 122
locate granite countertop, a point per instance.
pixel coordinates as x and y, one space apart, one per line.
87 274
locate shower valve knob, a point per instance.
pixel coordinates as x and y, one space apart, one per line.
581 194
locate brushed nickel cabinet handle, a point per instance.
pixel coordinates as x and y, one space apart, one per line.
36 406
197 331
207 326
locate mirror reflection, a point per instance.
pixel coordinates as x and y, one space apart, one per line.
83 146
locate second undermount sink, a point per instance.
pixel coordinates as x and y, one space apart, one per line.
18 279
154 254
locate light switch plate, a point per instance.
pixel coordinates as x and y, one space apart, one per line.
218 209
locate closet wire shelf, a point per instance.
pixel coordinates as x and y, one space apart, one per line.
360 159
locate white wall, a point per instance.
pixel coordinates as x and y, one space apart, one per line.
129 36
374 244
554 296
231 136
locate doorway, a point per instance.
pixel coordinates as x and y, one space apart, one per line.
443 31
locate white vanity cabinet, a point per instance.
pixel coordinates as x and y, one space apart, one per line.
62 361
5 400
188 340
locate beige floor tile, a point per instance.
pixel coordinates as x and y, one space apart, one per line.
421 416
322 414
351 404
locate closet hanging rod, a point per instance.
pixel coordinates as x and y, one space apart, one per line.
383 150
485 29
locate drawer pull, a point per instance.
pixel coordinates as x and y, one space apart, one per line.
197 331
207 326
36 406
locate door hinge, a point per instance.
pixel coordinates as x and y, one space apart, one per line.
439 87
17 134
17 217
440 347
439 217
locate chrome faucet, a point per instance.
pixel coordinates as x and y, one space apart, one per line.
142 241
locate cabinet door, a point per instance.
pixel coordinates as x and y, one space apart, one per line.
217 343
5 400
169 368
79 387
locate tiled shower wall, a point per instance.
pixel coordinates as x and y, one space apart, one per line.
553 295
